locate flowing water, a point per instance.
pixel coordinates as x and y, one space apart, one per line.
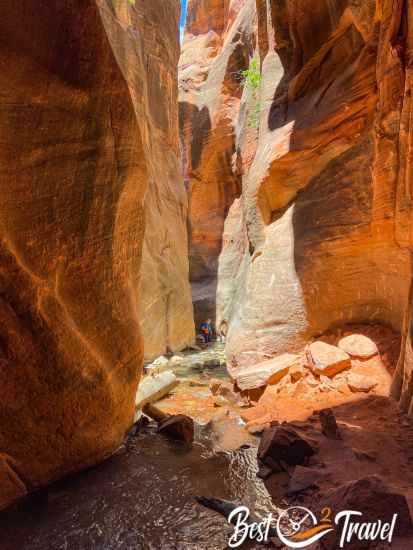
142 498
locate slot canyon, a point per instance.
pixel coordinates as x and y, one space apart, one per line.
165 163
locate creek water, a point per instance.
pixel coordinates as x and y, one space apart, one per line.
141 498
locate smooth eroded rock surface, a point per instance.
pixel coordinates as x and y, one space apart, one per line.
81 140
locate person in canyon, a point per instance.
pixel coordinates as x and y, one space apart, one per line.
207 330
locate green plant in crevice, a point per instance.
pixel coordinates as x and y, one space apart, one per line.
252 79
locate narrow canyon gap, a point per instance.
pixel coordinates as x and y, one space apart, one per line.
301 217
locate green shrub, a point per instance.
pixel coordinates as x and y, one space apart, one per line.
252 79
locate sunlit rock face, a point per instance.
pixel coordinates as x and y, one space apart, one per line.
81 139
219 40
313 239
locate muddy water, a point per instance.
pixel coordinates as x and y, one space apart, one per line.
142 498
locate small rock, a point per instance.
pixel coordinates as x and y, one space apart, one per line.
329 424
138 426
325 359
178 427
360 383
216 387
358 345
282 443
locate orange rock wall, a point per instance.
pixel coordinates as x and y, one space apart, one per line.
80 146
319 235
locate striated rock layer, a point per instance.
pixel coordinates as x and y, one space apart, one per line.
320 234
85 105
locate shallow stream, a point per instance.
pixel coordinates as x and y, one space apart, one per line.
141 498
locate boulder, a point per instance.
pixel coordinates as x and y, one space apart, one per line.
266 373
282 444
325 359
376 501
358 346
360 383
153 388
179 427
304 479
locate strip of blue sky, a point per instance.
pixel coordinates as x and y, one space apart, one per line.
183 14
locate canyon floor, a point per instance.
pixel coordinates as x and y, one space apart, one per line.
143 496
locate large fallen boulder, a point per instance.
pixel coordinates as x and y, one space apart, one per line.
358 346
266 373
325 359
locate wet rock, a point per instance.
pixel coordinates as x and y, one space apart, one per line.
359 346
360 383
325 359
329 424
179 427
284 444
138 426
376 501
266 373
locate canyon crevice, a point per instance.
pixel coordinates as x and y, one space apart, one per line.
318 233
